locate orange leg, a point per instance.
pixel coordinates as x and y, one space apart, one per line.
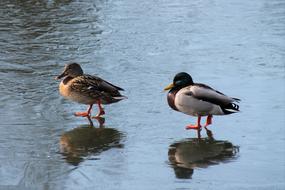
208 121
101 110
84 114
197 126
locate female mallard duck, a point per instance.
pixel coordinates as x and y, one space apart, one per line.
87 89
198 100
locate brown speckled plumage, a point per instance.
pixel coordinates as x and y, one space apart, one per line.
95 88
87 89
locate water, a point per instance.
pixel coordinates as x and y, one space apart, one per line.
236 47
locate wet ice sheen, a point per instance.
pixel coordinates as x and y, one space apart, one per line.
235 46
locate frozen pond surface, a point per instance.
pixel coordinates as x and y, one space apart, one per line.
237 47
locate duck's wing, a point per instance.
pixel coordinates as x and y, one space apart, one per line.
94 86
106 84
100 84
103 84
208 94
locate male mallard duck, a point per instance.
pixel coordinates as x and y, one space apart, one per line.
198 100
87 89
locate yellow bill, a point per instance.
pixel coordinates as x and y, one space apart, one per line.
169 87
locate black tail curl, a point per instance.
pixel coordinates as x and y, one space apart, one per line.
230 108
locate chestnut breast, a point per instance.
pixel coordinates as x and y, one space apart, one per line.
171 99
64 89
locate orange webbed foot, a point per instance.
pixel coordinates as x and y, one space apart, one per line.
81 114
195 127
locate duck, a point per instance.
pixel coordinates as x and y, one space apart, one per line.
87 89
198 100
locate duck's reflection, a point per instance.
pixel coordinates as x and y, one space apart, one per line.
87 140
100 120
188 154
